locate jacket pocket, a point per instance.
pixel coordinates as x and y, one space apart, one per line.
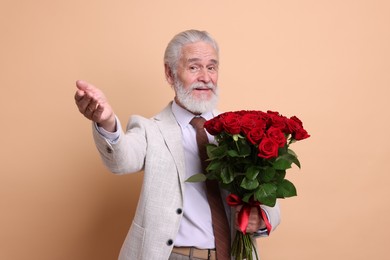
132 248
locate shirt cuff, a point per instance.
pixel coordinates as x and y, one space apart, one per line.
111 137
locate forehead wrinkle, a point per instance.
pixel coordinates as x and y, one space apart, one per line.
214 61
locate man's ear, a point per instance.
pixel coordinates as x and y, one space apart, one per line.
169 74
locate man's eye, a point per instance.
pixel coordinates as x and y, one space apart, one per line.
193 68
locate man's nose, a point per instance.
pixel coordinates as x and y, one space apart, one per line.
204 76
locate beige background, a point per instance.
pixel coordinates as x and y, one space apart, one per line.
325 61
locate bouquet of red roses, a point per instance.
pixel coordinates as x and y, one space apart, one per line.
250 161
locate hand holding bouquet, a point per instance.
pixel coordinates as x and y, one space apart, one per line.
250 160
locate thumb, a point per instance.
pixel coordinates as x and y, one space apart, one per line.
83 85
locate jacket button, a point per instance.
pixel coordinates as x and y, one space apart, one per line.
170 242
179 211
108 149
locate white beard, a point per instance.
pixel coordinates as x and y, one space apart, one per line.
196 105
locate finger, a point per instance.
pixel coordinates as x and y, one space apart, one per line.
79 95
89 112
83 103
97 113
93 105
82 85
85 86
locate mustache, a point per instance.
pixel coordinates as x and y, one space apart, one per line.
200 85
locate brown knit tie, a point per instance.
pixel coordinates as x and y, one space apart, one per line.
218 214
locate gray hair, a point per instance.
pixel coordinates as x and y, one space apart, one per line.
173 51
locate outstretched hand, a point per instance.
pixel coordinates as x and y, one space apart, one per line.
93 104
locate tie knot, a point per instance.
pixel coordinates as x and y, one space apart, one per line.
198 122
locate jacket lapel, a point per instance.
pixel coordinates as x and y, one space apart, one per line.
170 131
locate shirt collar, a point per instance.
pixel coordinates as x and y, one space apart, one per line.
184 116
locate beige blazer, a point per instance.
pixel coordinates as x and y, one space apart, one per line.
154 146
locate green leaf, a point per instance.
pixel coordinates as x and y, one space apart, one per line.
293 157
296 162
247 196
267 174
249 184
216 152
227 175
292 152
239 148
214 165
285 159
279 175
233 153
266 194
252 172
243 148
282 150
199 177
282 163
286 189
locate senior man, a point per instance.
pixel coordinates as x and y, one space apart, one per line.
174 219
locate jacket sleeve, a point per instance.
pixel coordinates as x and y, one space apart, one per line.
273 215
127 153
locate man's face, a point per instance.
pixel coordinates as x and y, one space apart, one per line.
196 79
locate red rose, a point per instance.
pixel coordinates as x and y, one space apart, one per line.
231 122
277 121
250 121
272 113
277 135
213 126
296 119
268 148
295 127
255 135
242 112
300 134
